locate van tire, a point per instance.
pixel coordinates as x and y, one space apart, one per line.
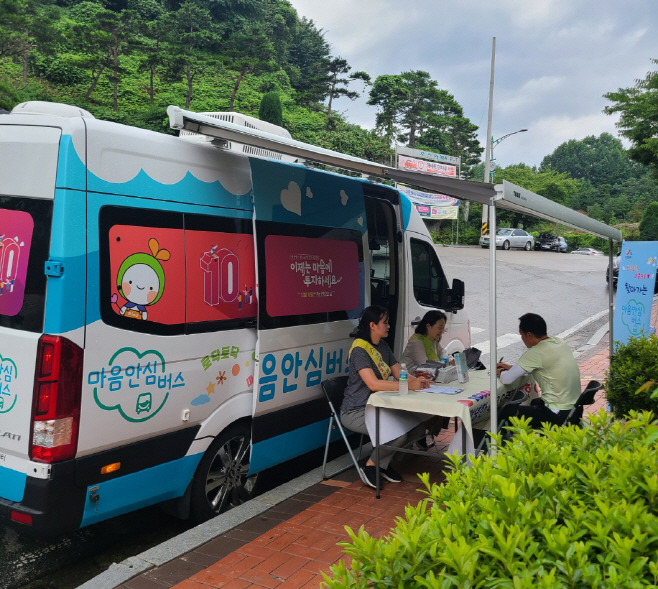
220 482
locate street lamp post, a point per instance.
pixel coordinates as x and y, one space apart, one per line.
489 175
496 142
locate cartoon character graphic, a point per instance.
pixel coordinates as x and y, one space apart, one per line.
141 281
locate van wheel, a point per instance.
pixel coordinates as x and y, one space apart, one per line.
506 245
528 247
221 480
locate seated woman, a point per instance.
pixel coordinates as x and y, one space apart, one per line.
371 364
424 344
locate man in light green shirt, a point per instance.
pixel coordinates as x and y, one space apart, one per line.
552 365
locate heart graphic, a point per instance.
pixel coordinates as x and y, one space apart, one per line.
115 298
343 197
360 221
291 198
309 192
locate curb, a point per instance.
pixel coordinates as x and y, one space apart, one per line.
177 546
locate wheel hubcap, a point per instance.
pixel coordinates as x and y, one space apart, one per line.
227 484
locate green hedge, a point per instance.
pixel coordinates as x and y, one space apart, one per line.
632 365
573 508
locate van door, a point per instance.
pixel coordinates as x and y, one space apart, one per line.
28 157
384 258
310 229
429 289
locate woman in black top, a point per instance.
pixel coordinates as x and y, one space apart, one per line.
371 364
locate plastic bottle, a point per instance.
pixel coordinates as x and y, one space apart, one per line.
404 379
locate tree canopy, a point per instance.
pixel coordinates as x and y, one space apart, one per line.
638 107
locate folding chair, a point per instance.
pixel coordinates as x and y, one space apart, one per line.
586 398
333 389
519 397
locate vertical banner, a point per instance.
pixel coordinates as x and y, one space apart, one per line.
637 277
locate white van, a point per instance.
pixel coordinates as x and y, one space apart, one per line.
168 310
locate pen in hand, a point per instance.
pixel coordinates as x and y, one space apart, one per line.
501 359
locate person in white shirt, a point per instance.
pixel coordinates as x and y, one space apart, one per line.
553 367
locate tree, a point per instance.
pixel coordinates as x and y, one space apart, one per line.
193 31
600 160
387 93
103 36
649 223
24 26
338 86
248 52
414 108
156 31
307 64
638 107
270 109
553 185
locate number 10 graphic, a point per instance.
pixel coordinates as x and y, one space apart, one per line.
10 253
221 277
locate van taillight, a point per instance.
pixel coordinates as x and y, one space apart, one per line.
57 393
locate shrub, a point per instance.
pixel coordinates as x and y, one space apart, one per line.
270 109
573 508
632 365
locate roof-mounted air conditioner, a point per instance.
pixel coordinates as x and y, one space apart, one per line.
244 121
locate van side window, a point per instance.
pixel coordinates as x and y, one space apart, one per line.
172 273
25 225
428 277
308 274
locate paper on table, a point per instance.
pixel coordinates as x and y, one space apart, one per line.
440 390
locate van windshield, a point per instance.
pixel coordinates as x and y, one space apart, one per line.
24 246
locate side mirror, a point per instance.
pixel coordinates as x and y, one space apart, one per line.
455 296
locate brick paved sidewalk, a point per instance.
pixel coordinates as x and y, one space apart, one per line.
289 546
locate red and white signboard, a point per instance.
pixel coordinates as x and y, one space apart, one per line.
410 163
306 275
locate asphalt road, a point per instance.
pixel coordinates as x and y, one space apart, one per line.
565 289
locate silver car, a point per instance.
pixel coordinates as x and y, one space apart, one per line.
507 238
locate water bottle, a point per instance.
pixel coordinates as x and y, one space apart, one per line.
404 379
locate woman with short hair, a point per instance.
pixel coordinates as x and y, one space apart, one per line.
424 346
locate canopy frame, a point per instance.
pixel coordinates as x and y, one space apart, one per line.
506 196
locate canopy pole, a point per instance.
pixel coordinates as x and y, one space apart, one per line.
493 354
611 288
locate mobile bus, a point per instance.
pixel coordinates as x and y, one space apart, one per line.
170 305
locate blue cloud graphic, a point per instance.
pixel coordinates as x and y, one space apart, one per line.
200 400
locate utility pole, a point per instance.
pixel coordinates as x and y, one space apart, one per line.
487 156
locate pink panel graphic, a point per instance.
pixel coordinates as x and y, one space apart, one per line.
221 276
15 238
306 275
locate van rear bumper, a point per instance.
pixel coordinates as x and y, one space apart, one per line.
55 504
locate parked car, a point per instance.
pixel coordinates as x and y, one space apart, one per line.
551 242
507 238
587 251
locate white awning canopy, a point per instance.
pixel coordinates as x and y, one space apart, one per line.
508 196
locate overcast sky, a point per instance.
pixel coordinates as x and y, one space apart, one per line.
554 59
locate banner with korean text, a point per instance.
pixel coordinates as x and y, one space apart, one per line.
432 206
635 287
410 163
